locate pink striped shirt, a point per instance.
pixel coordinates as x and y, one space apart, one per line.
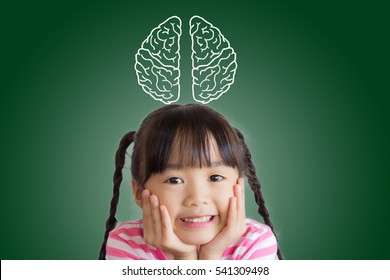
126 242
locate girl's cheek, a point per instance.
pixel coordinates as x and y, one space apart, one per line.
224 205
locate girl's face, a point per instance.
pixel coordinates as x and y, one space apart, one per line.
197 199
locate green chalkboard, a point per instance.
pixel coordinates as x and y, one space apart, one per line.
311 95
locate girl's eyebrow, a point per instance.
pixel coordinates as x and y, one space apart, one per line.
178 166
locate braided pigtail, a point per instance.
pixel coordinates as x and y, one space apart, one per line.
120 156
256 188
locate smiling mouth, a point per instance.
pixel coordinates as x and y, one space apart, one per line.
203 219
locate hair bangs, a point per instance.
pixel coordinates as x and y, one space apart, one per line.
191 148
194 141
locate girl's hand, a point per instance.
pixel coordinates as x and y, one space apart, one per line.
158 230
234 228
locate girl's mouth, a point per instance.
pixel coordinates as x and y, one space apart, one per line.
204 219
199 221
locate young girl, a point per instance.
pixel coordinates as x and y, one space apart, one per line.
187 168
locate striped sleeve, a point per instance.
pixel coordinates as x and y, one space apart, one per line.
257 243
126 242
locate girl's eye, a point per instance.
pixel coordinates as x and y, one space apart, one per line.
174 180
215 178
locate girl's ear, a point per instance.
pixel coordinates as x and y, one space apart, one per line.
136 193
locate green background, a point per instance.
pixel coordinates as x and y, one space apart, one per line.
311 95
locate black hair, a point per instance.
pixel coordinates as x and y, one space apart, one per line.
191 127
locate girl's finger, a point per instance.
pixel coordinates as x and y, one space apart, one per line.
146 216
145 205
167 235
232 214
240 194
166 223
155 213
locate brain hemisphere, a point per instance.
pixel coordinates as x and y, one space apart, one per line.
158 62
213 61
163 43
159 81
207 42
212 80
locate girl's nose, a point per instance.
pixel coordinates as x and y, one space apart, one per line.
197 194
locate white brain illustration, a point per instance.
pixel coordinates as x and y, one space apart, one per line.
158 61
213 61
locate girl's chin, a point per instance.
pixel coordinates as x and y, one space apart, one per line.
197 242
196 239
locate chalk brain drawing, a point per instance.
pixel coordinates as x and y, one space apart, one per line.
158 61
213 61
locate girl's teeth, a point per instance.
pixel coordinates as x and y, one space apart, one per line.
197 220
